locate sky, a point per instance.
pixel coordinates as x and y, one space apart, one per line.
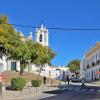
68 45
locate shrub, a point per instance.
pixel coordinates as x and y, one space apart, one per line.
36 83
18 83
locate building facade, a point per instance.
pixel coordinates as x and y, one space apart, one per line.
90 65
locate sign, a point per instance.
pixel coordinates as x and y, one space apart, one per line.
98 72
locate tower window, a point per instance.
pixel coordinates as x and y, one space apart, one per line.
40 38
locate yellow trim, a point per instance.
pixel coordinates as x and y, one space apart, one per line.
93 50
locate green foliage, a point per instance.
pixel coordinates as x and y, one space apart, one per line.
8 37
3 19
18 83
17 47
74 65
43 55
36 83
12 44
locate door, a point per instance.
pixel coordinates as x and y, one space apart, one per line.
13 66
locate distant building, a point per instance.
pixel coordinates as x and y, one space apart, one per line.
55 72
90 64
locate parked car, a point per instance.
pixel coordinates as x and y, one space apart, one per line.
74 79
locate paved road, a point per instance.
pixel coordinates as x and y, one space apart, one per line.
72 92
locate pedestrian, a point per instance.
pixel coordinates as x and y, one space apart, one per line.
83 82
44 80
68 79
65 79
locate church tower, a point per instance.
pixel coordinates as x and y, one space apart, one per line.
30 37
42 35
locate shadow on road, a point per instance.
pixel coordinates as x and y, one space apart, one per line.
73 95
54 92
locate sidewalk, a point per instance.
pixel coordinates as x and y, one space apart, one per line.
96 83
33 91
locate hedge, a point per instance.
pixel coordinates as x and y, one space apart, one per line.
36 83
18 83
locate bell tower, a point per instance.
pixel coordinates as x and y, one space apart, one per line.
42 35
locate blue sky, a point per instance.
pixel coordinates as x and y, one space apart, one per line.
58 13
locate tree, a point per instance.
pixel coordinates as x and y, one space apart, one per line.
42 55
12 45
74 66
23 54
8 36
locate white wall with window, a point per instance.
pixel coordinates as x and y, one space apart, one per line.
91 63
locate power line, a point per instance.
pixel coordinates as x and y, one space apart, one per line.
58 28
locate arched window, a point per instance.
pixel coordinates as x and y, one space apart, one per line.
40 38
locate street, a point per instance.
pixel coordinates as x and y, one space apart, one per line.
72 92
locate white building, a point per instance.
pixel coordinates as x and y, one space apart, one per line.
90 65
55 72
41 36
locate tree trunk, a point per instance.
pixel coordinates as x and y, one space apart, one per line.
76 75
21 72
21 67
39 71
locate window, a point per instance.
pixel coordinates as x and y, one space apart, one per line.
93 64
40 38
87 66
13 66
